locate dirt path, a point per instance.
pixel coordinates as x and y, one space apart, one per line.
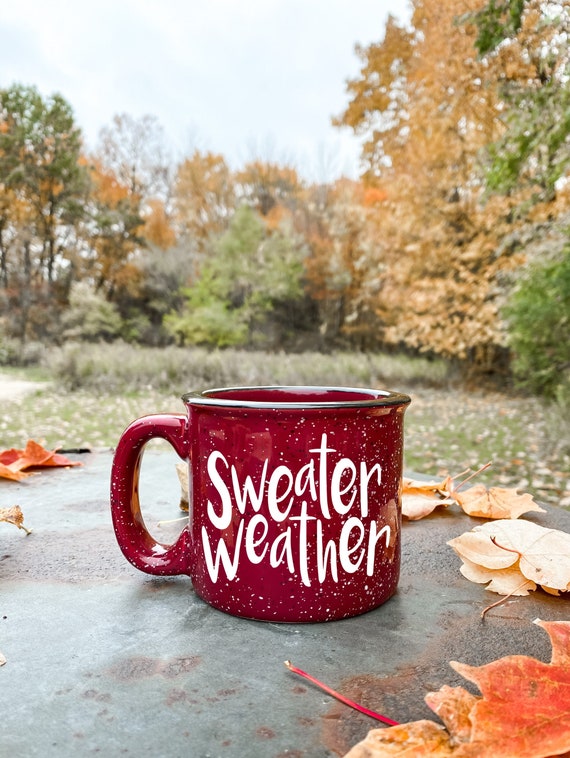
15 389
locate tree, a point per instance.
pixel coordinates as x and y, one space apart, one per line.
114 233
204 197
134 150
43 188
377 98
250 272
90 316
525 45
264 185
158 230
427 110
162 276
343 265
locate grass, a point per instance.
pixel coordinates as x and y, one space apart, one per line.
96 392
126 368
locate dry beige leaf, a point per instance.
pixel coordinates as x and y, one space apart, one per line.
496 502
507 581
420 498
430 489
416 507
2 659
183 478
538 554
14 516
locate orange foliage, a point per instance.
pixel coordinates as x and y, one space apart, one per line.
433 266
263 185
523 711
204 196
106 187
157 228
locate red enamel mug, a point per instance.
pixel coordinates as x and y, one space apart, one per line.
294 493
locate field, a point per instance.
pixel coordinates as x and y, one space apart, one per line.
93 393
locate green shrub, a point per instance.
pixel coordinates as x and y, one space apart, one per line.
209 324
14 353
538 315
90 316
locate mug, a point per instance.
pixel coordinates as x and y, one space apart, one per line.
294 499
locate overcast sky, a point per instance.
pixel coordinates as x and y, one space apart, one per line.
244 78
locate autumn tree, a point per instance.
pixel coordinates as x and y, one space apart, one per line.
204 197
342 266
526 44
130 213
427 111
134 150
114 232
43 187
266 185
377 105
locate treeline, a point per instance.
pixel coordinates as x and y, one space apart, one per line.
455 242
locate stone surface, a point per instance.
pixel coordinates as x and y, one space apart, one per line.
104 659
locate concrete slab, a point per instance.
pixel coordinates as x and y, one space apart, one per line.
104 659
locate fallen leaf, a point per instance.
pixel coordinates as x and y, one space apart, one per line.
9 456
428 489
507 581
14 516
529 552
417 739
415 507
7 473
523 711
14 462
453 705
183 478
525 704
495 503
420 499
2 659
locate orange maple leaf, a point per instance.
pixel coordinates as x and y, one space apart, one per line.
525 708
523 711
14 462
7 473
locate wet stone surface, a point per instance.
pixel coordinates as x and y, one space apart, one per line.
104 659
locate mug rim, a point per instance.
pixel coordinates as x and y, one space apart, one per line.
371 397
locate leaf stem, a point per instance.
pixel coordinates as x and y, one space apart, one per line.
471 476
502 547
338 696
504 599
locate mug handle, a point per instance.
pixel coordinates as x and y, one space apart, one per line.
136 543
